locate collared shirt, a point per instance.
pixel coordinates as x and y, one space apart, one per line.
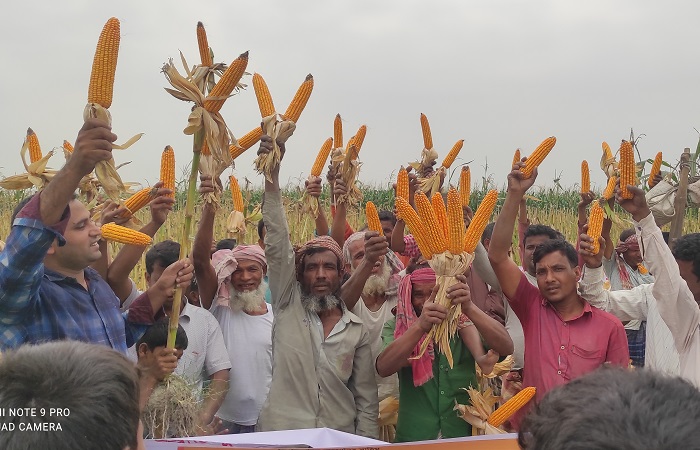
634 304
557 350
677 305
39 305
316 382
427 411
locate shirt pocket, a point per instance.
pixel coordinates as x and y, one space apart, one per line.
584 360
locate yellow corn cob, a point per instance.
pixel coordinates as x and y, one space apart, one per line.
536 158
585 177
236 195
643 270
262 93
455 222
124 235
139 199
167 169
607 153
337 132
34 147
655 168
465 185
373 223
226 84
436 237
359 138
440 213
67 146
104 65
450 158
595 225
516 156
627 169
415 225
609 191
427 136
204 52
402 184
322 157
479 221
244 143
300 99
506 410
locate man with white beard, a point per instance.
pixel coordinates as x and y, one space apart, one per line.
365 258
231 285
323 371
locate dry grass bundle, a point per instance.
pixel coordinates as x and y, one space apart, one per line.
172 409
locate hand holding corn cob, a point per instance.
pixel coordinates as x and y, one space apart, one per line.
519 182
591 256
636 205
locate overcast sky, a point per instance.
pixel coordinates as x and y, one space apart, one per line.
498 74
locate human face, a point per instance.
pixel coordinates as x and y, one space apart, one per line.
357 253
82 240
420 293
686 269
247 276
633 258
531 243
556 278
387 229
321 275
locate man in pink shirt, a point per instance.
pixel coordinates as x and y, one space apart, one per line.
565 337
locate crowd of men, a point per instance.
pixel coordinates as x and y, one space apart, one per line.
315 334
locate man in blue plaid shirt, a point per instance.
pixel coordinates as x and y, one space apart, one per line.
47 289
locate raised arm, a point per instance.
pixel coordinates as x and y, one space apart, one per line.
376 246
313 190
676 302
506 270
339 225
281 269
124 262
607 226
207 283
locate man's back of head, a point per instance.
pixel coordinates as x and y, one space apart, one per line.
616 408
87 396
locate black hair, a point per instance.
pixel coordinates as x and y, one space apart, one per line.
164 253
626 233
687 248
157 335
555 245
615 408
488 231
261 228
226 243
541 230
388 216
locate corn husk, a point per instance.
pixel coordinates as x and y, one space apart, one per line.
106 171
2 245
477 414
500 368
349 169
429 180
446 266
609 165
279 130
216 134
388 418
37 174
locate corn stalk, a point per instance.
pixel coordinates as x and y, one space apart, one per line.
185 233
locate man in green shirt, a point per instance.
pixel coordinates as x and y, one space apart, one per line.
428 387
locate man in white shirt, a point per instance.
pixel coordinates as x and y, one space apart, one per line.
677 282
231 285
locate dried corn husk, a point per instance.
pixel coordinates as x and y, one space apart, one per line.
279 131
388 418
477 414
106 171
36 175
500 368
349 169
429 180
446 266
609 165
216 134
2 245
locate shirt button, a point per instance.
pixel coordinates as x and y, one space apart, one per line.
562 347
442 367
565 324
442 392
558 372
